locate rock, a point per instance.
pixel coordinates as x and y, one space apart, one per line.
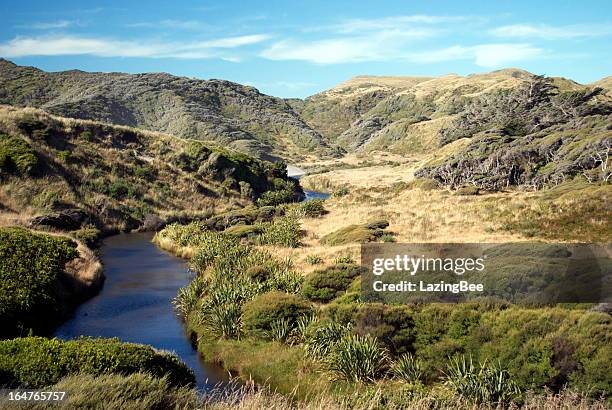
152 223
375 225
66 220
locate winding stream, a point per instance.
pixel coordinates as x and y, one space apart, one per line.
135 303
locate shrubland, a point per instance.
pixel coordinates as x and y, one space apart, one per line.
120 178
32 276
37 362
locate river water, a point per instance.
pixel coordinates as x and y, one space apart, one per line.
135 303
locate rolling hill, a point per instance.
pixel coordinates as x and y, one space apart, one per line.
227 113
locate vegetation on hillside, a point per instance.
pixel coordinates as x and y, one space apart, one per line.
122 178
227 113
31 276
37 362
251 316
534 135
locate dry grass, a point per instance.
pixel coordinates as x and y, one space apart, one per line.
251 398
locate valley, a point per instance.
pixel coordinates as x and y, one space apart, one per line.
275 295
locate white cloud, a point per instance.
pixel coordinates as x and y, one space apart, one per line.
377 46
49 25
388 46
178 24
484 55
72 45
393 22
550 32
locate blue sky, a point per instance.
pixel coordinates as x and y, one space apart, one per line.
298 48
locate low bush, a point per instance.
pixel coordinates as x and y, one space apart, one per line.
88 234
37 362
284 192
114 391
407 368
243 231
264 310
368 232
313 208
327 284
314 259
30 268
341 191
321 338
357 359
284 231
480 382
16 156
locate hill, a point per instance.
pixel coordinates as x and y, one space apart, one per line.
407 114
227 113
73 173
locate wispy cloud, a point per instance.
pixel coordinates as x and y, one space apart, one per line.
168 24
73 45
50 25
392 23
483 55
374 47
547 32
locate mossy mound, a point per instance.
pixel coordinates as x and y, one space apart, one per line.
368 232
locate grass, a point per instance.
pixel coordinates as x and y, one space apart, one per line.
120 175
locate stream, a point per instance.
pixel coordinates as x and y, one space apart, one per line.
135 304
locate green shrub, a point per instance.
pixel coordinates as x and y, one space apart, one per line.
16 156
268 308
284 191
121 189
64 156
88 234
327 284
314 259
407 368
357 358
341 191
368 232
284 231
480 382
243 231
344 259
189 296
37 362
30 266
313 208
321 338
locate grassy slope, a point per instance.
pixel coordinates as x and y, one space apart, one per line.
228 113
119 175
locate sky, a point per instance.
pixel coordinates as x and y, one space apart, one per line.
298 48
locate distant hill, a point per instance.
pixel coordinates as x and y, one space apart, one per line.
404 114
114 177
227 113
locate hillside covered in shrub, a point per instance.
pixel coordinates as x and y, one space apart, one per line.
37 362
227 113
84 173
33 282
310 335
